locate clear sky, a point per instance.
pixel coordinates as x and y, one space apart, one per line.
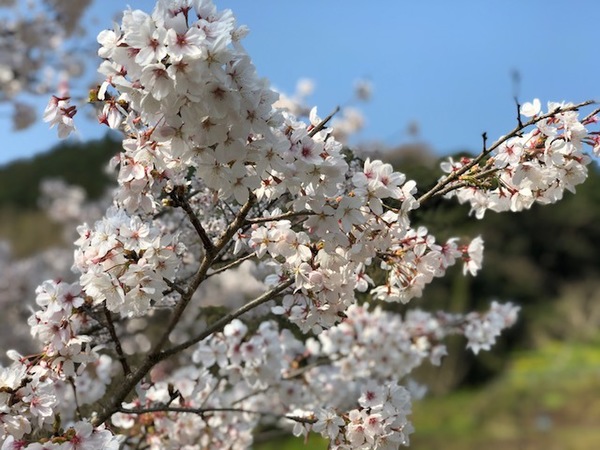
446 65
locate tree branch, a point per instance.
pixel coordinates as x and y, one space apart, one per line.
287 215
124 388
220 324
206 411
231 264
323 122
515 132
182 202
205 265
519 121
113 335
592 114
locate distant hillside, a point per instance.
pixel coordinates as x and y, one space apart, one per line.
79 163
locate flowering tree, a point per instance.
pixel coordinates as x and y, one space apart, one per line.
219 188
37 46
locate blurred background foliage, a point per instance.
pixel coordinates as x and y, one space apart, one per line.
536 389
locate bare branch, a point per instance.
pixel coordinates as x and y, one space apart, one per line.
205 265
174 286
75 396
123 388
452 187
470 181
231 264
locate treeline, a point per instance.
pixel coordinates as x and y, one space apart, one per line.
79 163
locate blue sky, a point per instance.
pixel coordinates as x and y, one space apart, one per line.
445 65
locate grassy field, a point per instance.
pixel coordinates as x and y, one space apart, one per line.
548 400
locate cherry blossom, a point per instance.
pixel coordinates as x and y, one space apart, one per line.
217 293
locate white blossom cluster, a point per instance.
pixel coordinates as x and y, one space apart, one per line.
68 206
378 423
536 166
19 279
482 331
32 388
259 375
343 385
60 113
32 53
57 324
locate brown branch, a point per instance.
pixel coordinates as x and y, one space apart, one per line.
206 411
452 187
323 122
174 287
181 201
287 215
113 335
231 264
99 325
519 120
220 324
124 388
205 265
75 397
465 182
590 115
515 132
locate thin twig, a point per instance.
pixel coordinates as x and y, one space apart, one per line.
323 122
75 396
231 265
590 115
457 173
182 202
287 215
113 335
205 265
174 286
452 187
465 182
206 411
519 121
220 324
